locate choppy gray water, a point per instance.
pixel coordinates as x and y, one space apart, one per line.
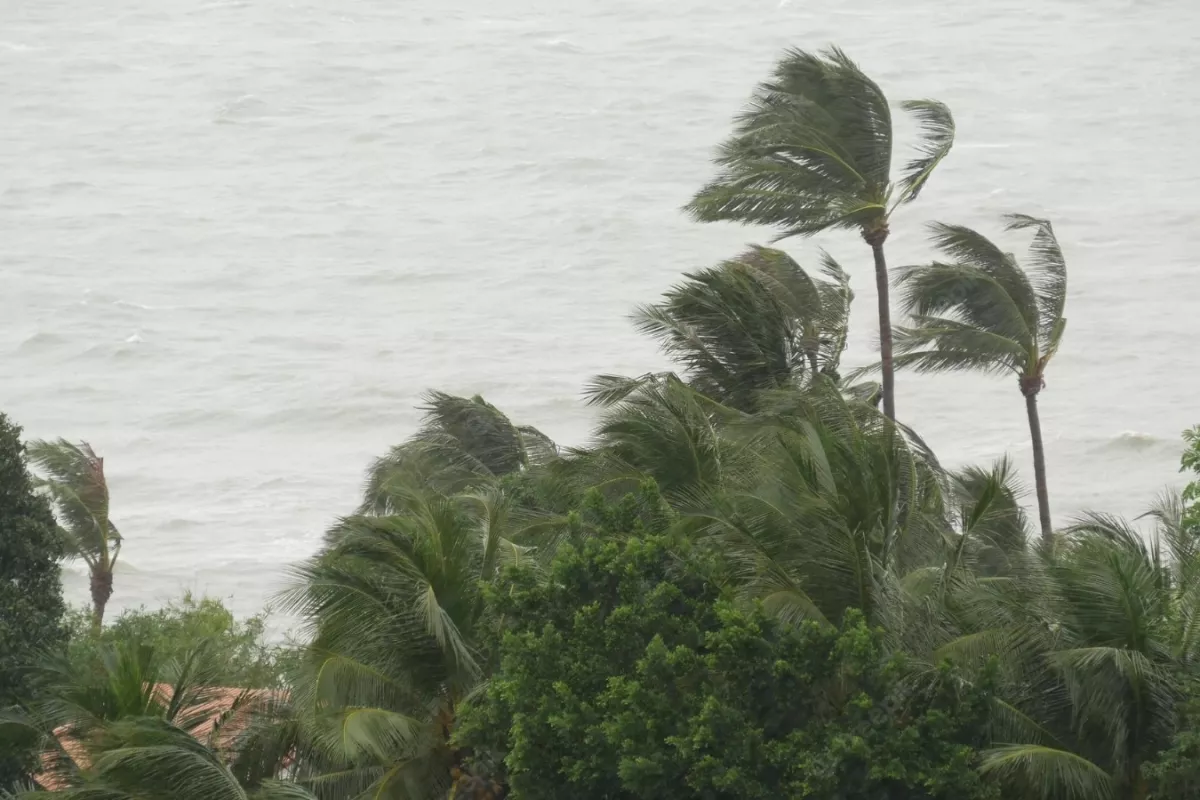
239 239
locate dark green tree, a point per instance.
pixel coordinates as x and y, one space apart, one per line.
813 152
626 674
31 604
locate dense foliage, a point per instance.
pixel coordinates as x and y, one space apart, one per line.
624 673
241 653
754 581
31 605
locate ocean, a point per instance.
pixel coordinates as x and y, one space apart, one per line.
239 239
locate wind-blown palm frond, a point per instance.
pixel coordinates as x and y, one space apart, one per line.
463 443
754 323
669 431
840 506
804 156
1048 273
937 127
395 606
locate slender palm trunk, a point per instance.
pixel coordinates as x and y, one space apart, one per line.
1039 458
885 323
102 588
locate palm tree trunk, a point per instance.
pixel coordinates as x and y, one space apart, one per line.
885 325
102 588
1039 461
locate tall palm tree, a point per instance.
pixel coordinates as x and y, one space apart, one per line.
813 152
74 481
753 323
980 311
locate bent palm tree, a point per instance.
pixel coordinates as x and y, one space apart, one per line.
813 152
74 481
463 443
395 604
753 323
981 311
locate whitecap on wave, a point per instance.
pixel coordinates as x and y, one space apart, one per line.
246 107
1138 442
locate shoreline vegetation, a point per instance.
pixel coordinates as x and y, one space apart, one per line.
756 582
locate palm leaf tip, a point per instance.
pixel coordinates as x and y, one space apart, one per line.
937 138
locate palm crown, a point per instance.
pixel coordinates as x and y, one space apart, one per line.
813 151
756 322
980 311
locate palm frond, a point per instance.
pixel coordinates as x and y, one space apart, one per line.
1048 772
938 344
74 482
970 294
937 129
1049 274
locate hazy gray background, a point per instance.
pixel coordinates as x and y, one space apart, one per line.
239 239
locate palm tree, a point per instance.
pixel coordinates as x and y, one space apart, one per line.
463 443
134 725
1096 641
813 152
75 483
660 427
395 604
838 513
980 311
754 323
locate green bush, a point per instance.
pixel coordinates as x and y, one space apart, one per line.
246 657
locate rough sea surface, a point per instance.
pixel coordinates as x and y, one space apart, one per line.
238 240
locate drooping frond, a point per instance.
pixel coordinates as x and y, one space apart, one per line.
968 247
74 481
1049 772
151 758
836 297
937 137
937 344
1048 274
